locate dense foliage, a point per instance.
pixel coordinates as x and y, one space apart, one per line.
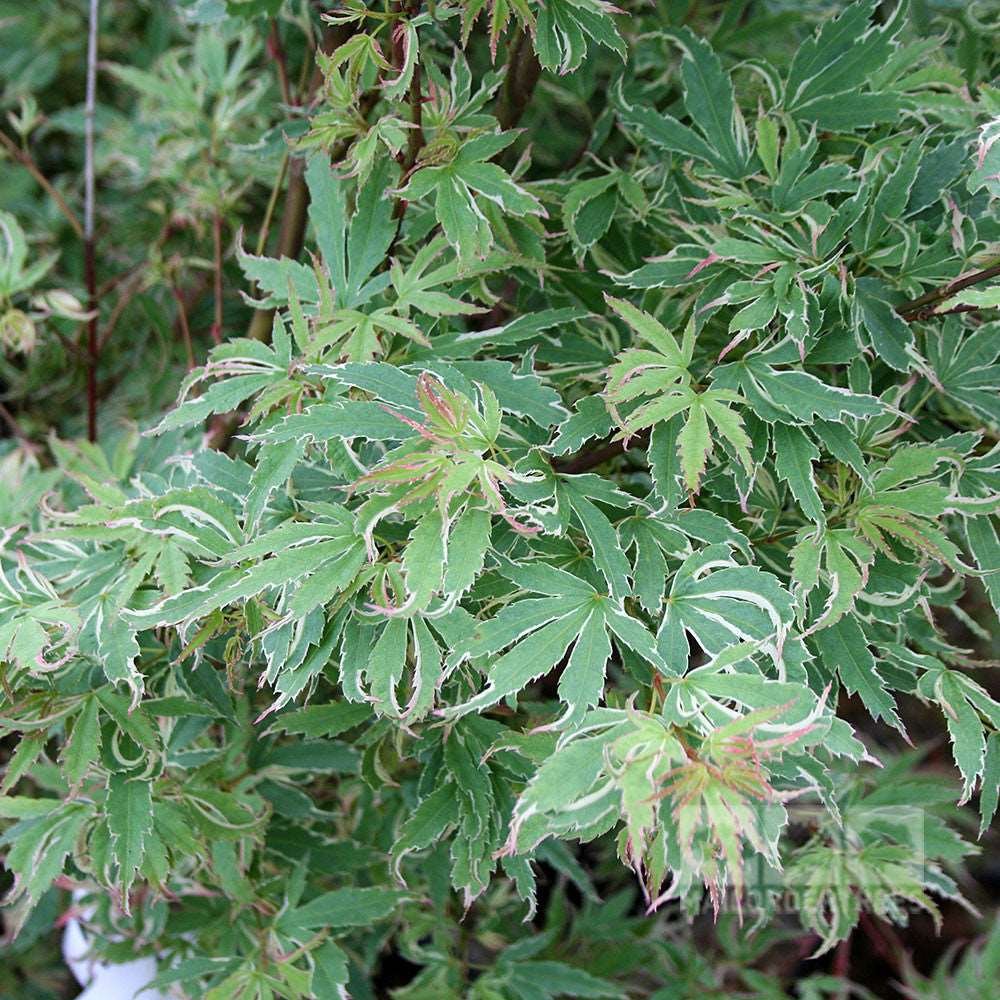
581 492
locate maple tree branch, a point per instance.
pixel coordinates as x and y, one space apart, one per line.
217 274
276 50
523 71
292 228
922 307
949 312
590 458
126 295
89 242
291 235
185 327
415 140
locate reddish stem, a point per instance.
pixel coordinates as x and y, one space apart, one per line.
89 243
15 428
182 318
276 50
93 341
923 307
23 157
217 247
585 460
842 959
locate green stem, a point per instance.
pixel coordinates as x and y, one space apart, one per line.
272 204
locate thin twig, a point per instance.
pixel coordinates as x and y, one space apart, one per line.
90 249
182 319
217 267
276 50
415 137
842 959
956 309
291 236
125 297
884 941
922 307
272 203
523 71
71 345
592 457
295 212
15 428
23 157
106 287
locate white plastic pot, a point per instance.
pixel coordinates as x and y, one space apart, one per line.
106 982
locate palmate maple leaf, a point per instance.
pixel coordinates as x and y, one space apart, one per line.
450 456
571 617
458 175
663 373
717 797
835 883
445 477
688 802
500 13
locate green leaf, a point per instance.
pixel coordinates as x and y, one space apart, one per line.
829 68
342 908
794 455
968 739
843 649
39 854
330 973
985 548
521 392
29 749
694 444
468 543
562 30
323 720
581 683
668 133
424 557
386 665
889 334
990 791
851 112
709 101
130 821
556 979
798 394
222 397
589 208
981 298
529 659
456 186
731 604
83 746
352 247
427 823
605 545
590 419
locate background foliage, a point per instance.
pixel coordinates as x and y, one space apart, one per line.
512 513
